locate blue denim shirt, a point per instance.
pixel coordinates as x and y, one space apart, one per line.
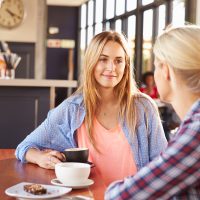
59 129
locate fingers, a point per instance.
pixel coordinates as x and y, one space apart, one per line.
52 161
53 158
46 163
58 155
64 157
49 158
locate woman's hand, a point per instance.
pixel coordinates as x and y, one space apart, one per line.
46 158
49 158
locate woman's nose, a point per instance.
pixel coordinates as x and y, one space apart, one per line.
111 65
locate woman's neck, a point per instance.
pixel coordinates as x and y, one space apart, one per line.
183 101
107 111
107 96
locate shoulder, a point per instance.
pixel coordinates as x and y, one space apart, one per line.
144 102
76 99
69 106
192 118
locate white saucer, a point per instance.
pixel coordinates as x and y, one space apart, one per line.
77 186
52 191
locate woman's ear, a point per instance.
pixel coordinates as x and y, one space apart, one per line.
166 71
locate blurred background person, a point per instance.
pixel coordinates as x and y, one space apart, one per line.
148 87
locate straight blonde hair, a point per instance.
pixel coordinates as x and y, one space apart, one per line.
125 90
179 47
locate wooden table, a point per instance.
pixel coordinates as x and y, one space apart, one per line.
13 171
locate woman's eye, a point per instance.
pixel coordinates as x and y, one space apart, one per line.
103 59
118 61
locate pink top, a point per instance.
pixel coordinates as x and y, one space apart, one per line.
115 160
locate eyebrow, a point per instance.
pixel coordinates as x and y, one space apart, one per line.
104 55
108 56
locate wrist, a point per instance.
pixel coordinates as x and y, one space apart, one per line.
32 155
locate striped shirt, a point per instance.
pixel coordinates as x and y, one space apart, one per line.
175 174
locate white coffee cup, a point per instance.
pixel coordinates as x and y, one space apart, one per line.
72 173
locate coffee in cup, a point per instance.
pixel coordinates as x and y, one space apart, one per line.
76 155
71 173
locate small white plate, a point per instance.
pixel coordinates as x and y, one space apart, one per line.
52 191
77 186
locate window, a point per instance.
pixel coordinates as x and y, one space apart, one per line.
131 5
90 34
110 6
90 12
131 35
178 17
147 40
83 31
120 7
83 16
161 18
131 28
98 28
99 11
107 26
145 2
83 37
118 25
140 20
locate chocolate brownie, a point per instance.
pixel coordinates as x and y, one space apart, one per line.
36 189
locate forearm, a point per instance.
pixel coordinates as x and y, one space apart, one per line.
38 139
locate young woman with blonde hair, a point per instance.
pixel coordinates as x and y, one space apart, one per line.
107 114
176 173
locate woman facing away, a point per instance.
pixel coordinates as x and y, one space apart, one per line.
176 173
107 114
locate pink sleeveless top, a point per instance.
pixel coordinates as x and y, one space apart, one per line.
115 160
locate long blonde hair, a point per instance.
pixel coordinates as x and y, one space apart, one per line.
179 47
124 90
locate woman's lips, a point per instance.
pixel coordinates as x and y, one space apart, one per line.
109 76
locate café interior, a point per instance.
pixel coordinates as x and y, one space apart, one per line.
48 39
